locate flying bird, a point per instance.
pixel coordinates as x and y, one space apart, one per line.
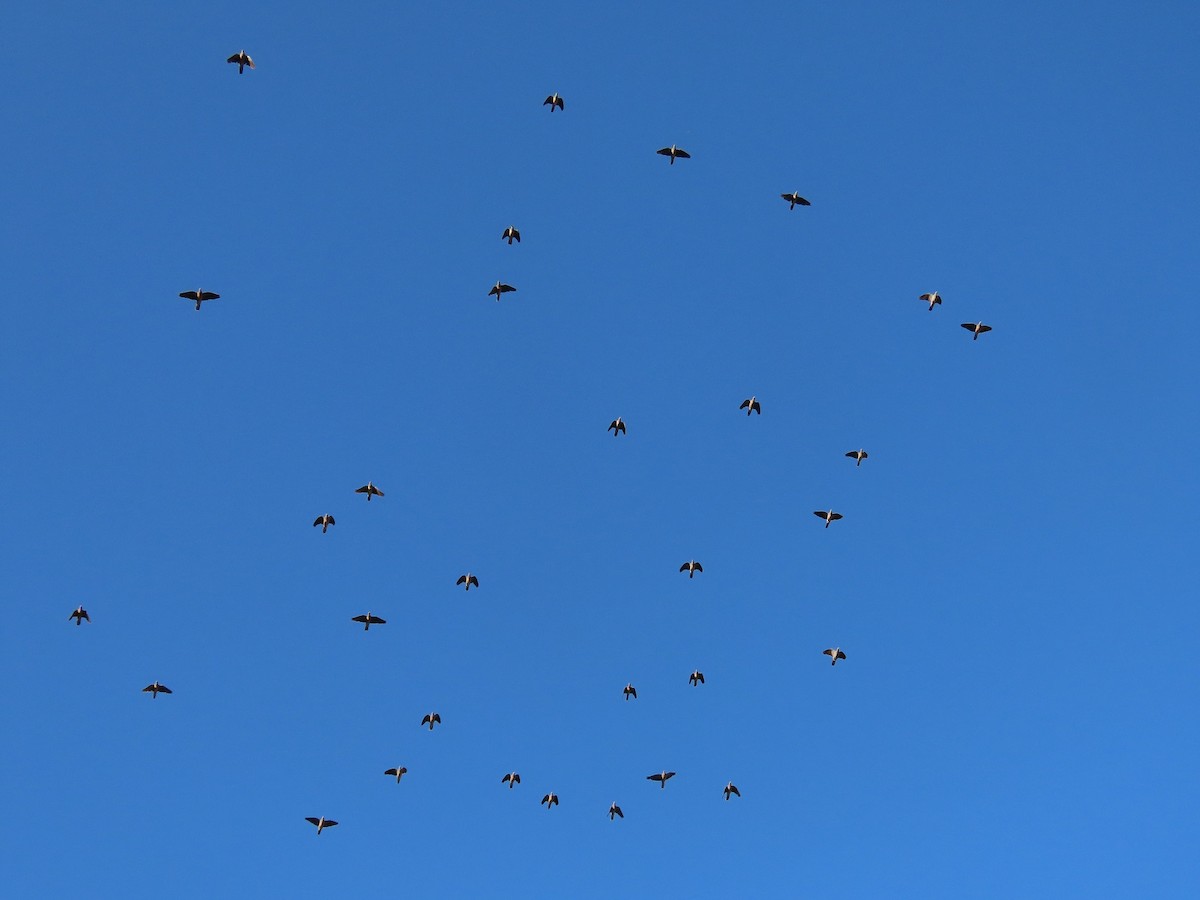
199 296
324 521
691 567
498 288
794 198
550 800
370 490
751 406
829 516
630 691
398 771
614 811
79 615
156 689
511 234
976 328
512 778
674 152
617 426
836 654
731 789
242 58
468 580
696 678
858 456
321 822
932 299
554 100
368 620
661 778
431 719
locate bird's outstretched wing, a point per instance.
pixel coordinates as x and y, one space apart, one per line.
360 619
209 295
734 790
745 403
841 654
462 579
312 819
195 295
665 151
682 154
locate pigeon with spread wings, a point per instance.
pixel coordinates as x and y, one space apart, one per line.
155 689
835 653
617 426
976 328
512 778
614 811
431 719
730 788
468 580
321 822
691 567
795 199
630 691
554 100
662 778
511 234
370 490
199 296
79 615
368 620
696 678
398 772
500 288
324 521
242 58
550 800
858 456
751 406
828 516
933 299
674 152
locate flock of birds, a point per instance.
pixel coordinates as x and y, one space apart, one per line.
751 405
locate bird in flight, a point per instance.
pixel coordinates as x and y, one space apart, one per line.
79 615
691 567
696 678
324 521
156 689
662 778
320 822
751 406
674 152
398 771
242 58
932 299
731 789
617 426
630 691
511 234
976 328
554 100
370 490
498 288
836 654
468 580
858 456
794 198
431 719
550 800
829 516
368 620
614 811
512 778
199 296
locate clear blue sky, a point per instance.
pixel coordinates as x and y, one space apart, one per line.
1013 581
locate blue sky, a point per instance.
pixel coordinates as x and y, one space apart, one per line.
1016 716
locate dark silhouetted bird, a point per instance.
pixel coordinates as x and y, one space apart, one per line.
731 789
79 615
674 152
324 521
932 299
554 100
242 58
156 689
499 288
398 772
858 456
829 516
751 406
630 691
199 296
794 198
696 678
511 779
370 490
617 426
550 800
321 822
614 811
691 567
662 778
511 234
368 620
468 580
835 653
976 329
431 719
